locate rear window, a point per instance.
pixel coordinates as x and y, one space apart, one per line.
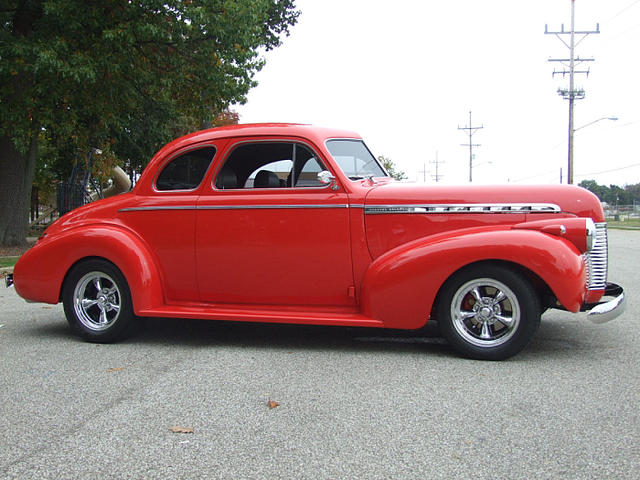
186 171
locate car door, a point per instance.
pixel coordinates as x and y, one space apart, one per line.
165 216
270 233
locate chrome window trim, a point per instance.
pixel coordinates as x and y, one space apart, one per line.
293 140
175 155
464 208
365 146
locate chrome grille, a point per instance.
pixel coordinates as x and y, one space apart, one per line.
597 259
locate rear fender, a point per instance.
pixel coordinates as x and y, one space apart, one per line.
40 272
400 287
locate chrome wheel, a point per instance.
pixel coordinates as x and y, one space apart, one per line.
97 301
485 312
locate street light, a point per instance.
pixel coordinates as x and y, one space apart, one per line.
595 121
571 132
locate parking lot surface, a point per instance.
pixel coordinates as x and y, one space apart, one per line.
348 403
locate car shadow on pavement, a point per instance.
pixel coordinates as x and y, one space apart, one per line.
198 333
562 337
555 338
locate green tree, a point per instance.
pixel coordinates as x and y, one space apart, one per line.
127 75
390 167
634 191
613 194
601 191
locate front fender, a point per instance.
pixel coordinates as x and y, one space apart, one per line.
40 272
400 287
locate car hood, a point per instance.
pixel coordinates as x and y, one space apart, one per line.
565 198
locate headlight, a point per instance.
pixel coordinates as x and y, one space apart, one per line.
591 233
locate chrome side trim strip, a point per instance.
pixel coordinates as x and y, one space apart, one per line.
269 207
378 209
233 207
464 208
158 207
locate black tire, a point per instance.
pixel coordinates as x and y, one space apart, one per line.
488 312
97 302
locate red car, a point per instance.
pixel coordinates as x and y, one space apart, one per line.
298 224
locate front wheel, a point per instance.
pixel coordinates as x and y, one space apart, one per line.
97 301
488 312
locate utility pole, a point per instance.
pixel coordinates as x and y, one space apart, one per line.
424 172
572 94
437 176
470 130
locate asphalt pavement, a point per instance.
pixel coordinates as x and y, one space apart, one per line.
347 403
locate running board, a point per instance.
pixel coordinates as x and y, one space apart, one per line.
261 315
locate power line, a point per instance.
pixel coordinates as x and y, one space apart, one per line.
538 175
580 175
622 11
609 171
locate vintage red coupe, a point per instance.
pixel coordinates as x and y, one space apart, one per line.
298 224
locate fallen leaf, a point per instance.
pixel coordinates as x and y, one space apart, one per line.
47 308
273 404
177 429
117 369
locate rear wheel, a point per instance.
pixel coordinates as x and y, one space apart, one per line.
97 301
488 312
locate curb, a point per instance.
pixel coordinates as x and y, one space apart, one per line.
6 270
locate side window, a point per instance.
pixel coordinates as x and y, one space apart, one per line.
186 171
308 176
270 165
272 175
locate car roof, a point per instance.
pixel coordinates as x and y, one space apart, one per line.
266 129
317 135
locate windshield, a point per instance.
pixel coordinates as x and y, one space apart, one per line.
355 159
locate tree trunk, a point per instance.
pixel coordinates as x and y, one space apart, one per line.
16 179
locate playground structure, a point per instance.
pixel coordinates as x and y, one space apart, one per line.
80 189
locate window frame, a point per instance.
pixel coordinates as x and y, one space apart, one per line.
232 148
345 174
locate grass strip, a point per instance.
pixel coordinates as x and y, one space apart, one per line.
8 261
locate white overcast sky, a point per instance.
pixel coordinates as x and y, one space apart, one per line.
405 74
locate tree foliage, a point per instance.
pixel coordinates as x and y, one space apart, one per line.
124 76
613 194
390 167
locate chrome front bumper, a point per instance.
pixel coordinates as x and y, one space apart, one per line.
607 310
